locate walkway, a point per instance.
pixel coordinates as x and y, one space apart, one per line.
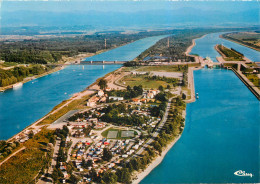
7 158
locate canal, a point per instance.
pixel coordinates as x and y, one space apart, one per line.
205 47
221 134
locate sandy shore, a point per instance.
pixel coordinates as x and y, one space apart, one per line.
190 47
141 175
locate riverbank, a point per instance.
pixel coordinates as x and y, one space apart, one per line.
198 59
141 175
27 79
60 66
220 36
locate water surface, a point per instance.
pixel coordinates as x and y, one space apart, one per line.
23 106
127 52
221 134
205 47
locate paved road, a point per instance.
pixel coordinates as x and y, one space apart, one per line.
65 116
158 129
47 180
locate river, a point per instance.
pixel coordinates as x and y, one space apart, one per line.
127 52
205 47
23 106
221 134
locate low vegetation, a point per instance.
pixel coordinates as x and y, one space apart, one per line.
230 54
17 74
30 162
251 39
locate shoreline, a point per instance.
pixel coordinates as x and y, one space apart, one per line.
67 61
86 92
239 43
188 50
28 79
158 160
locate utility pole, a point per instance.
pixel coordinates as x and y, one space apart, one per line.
105 43
168 43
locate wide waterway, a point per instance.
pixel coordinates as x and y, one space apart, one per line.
20 108
23 106
205 47
221 134
127 52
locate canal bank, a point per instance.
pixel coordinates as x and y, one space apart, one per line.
216 142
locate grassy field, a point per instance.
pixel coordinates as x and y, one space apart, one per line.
230 55
76 104
254 79
251 39
170 68
132 80
24 166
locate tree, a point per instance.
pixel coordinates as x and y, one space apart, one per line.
102 84
107 155
109 178
126 176
168 86
74 179
183 96
161 88
55 175
161 97
31 134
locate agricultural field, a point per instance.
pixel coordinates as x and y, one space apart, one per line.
251 39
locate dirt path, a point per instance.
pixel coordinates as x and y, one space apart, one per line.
7 158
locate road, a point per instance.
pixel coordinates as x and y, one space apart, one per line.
45 178
158 129
12 155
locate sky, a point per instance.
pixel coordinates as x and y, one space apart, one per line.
127 13
124 6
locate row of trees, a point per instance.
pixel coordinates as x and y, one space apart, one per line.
6 148
128 93
30 56
17 74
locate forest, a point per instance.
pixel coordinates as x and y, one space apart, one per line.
17 74
179 41
51 50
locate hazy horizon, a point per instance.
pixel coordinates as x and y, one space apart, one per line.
113 14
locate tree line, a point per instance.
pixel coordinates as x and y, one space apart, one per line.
17 74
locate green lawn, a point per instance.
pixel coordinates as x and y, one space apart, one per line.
173 68
132 81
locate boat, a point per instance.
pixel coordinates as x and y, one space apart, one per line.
197 95
17 85
1 91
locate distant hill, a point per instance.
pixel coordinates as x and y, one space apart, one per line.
189 16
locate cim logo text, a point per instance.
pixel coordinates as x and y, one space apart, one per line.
243 173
